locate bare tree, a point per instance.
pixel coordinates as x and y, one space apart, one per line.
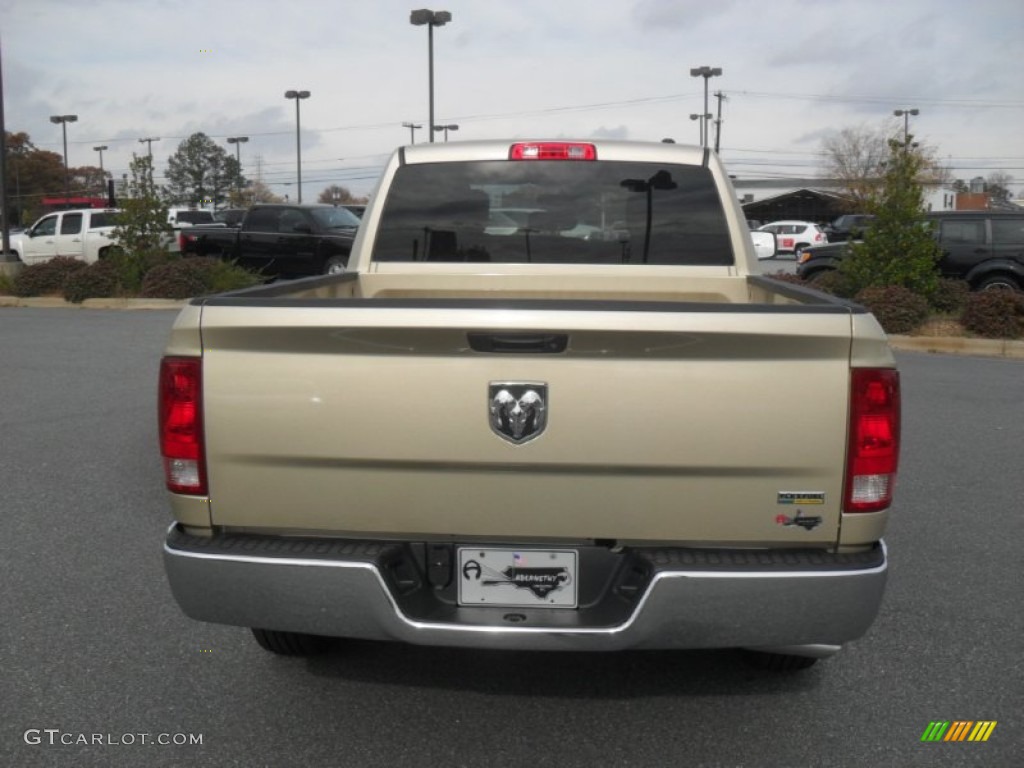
336 194
856 157
998 186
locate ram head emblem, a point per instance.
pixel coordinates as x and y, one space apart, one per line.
518 411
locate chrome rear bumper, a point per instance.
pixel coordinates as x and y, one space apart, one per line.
800 603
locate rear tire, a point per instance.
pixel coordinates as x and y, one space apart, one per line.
777 662
998 283
291 643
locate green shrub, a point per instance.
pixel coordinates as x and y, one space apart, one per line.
221 276
949 296
46 278
995 314
833 281
185 278
173 280
98 280
132 266
898 309
6 284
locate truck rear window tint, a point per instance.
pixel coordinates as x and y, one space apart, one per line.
554 212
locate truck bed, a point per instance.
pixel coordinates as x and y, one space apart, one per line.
684 416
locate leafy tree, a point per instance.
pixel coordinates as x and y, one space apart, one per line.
142 229
201 172
897 249
337 194
88 180
32 174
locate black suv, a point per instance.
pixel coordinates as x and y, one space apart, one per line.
985 248
849 226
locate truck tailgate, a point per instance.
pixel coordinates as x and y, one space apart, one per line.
694 425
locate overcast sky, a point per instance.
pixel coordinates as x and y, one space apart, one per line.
794 72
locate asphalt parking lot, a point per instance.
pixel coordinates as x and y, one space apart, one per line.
92 644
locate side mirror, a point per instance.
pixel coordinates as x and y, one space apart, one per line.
765 244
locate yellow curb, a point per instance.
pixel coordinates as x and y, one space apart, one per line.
960 346
55 302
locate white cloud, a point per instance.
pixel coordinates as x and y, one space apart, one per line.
793 70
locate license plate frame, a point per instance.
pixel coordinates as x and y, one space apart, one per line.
507 577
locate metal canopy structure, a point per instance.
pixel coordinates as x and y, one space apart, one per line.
805 204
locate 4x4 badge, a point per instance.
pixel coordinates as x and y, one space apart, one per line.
518 411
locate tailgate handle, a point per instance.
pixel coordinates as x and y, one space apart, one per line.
519 343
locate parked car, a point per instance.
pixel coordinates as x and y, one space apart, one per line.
818 260
849 226
81 234
985 248
179 218
534 442
794 236
280 240
358 210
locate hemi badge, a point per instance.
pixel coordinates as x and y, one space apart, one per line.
801 497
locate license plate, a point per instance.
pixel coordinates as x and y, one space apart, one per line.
518 578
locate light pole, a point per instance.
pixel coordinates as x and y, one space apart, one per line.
63 121
149 146
707 73
431 19
238 141
695 116
413 127
446 128
102 173
905 114
298 96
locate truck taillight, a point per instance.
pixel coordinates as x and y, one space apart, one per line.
552 150
181 425
873 453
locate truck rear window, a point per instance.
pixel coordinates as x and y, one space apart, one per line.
554 212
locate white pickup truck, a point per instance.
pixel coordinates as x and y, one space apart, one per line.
81 234
520 439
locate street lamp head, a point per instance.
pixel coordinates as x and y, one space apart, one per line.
57 119
433 18
705 72
237 139
296 94
902 112
450 127
101 149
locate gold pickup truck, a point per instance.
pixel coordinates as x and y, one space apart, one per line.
576 431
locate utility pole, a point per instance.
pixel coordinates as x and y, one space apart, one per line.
718 120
